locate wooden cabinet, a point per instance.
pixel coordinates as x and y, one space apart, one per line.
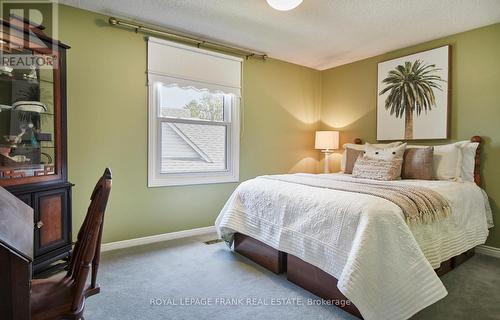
52 223
33 138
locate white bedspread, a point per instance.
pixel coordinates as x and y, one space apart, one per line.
384 266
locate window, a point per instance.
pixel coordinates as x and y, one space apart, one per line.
193 124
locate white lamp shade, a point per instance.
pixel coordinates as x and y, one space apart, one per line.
284 5
327 140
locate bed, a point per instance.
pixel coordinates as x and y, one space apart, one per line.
356 250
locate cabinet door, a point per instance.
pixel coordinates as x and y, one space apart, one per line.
51 220
31 125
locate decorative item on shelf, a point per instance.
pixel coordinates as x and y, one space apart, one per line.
30 112
30 106
8 156
26 89
15 140
31 153
326 141
33 140
20 158
31 75
6 71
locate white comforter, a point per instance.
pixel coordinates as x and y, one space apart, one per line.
384 266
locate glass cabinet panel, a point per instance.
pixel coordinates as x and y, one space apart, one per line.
27 123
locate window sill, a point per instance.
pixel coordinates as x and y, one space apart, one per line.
186 181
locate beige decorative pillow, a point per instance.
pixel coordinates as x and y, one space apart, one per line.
418 163
351 155
377 169
386 153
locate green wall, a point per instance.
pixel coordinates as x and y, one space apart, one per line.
349 94
107 122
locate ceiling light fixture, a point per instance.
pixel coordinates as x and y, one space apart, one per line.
284 5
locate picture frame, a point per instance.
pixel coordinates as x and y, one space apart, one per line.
413 96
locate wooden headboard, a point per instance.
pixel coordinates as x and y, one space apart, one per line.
477 161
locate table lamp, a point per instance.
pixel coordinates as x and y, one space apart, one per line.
327 141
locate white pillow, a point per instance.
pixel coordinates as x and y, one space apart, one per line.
468 160
447 162
362 147
464 154
386 153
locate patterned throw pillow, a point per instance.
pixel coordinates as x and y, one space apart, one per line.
418 163
373 152
377 169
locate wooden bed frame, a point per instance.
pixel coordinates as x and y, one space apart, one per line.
316 280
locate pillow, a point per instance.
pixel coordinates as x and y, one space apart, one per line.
377 169
446 157
351 155
386 153
447 162
468 150
418 163
362 148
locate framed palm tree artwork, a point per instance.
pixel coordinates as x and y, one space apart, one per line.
412 96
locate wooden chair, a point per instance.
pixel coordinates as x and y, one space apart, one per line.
63 297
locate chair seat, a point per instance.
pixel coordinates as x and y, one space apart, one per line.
51 298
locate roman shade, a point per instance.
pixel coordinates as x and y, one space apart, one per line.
187 66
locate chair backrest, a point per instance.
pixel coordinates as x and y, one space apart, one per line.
87 247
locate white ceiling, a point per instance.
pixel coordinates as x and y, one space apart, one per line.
319 33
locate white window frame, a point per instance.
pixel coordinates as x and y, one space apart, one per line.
232 123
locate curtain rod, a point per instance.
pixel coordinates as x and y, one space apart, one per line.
185 38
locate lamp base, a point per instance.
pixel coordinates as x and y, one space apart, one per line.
327 153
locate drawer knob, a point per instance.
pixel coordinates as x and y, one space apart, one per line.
39 224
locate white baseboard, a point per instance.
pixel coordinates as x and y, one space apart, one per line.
488 250
156 238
